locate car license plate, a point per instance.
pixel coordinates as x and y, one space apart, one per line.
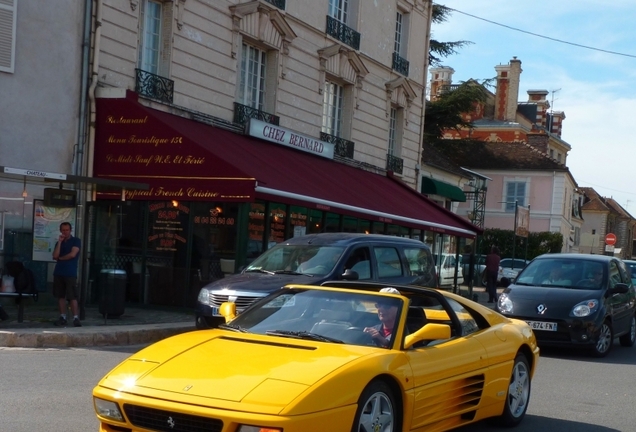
542 325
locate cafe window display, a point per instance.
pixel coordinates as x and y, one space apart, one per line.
165 249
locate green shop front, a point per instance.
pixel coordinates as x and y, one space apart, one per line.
217 199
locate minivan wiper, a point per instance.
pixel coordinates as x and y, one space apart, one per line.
302 335
291 272
260 270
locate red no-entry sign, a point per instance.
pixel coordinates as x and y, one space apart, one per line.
610 239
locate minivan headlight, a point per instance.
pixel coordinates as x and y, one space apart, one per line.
504 304
204 296
585 308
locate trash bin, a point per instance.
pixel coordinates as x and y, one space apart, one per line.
112 286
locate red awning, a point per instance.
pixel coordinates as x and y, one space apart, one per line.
293 176
136 143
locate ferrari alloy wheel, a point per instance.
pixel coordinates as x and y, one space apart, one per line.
518 393
629 338
376 409
604 341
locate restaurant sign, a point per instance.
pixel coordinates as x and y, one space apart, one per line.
289 138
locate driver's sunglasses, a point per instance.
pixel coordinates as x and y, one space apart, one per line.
383 305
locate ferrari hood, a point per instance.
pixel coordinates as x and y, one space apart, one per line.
236 368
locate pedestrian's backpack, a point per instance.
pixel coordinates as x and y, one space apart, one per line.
23 278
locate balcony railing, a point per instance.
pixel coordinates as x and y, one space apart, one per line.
400 64
343 148
343 33
448 88
394 163
242 114
280 4
154 86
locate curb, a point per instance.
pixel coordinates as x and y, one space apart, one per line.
90 337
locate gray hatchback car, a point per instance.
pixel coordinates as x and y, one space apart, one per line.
316 258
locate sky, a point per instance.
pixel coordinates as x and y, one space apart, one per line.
595 88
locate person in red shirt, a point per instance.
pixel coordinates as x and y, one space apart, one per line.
492 269
387 313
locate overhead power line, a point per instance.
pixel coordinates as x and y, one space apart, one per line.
542 36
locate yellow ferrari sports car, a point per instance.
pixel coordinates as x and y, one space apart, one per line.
340 358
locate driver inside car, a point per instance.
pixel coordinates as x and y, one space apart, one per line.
387 314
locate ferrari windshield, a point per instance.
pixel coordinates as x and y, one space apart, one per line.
564 273
317 314
302 259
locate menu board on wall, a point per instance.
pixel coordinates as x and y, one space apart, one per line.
46 228
256 225
167 221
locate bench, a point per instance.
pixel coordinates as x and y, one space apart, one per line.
20 301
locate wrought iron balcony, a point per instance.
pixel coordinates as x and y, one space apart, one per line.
394 163
448 88
343 148
400 64
343 33
242 114
154 86
280 4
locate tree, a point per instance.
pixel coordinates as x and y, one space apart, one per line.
440 50
446 111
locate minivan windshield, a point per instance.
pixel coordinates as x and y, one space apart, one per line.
297 259
564 273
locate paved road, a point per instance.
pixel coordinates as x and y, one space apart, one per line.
50 389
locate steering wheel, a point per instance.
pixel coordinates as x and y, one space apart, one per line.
359 336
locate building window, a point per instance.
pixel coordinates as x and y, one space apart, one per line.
333 101
339 10
398 33
252 80
396 117
515 192
8 9
151 37
155 38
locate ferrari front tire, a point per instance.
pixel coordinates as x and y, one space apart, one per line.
518 395
377 409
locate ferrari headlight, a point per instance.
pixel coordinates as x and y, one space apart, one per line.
585 308
204 296
108 409
504 304
245 428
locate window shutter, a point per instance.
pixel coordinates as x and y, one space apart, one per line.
8 13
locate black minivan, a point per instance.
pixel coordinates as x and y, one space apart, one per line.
315 258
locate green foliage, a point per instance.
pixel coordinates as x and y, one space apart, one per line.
440 50
446 112
538 243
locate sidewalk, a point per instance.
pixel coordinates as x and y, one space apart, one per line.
136 326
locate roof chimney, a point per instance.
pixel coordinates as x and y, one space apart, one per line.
556 126
507 93
441 79
538 97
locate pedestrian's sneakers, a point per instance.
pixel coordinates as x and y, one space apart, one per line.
60 322
76 322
